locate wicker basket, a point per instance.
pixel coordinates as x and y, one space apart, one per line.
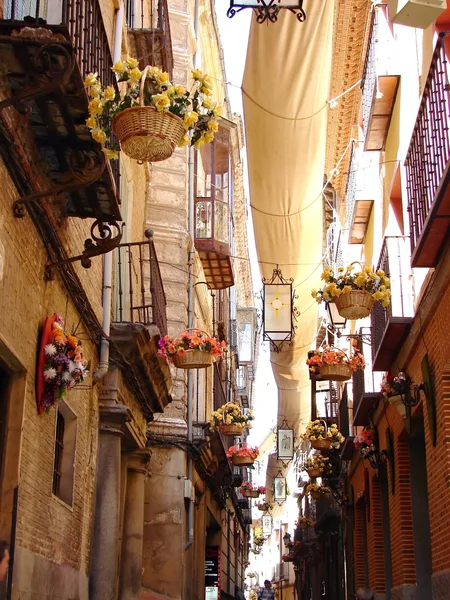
193 359
356 305
242 461
233 429
250 494
315 472
146 134
287 558
324 444
339 372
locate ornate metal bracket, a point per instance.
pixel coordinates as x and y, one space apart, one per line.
364 338
86 168
267 10
95 246
52 67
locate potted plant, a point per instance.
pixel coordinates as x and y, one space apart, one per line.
395 389
317 465
230 419
354 292
304 523
242 455
63 364
192 349
287 557
149 115
318 491
248 490
365 442
322 438
264 506
334 364
258 540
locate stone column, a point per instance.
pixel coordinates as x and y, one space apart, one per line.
133 526
105 551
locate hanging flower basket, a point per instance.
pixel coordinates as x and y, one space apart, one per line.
321 444
338 372
242 461
355 305
193 359
314 472
192 349
287 558
242 455
250 493
233 429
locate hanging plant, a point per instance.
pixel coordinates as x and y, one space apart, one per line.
61 364
242 455
334 364
149 114
304 523
317 466
230 419
320 437
248 490
318 491
354 293
265 506
192 349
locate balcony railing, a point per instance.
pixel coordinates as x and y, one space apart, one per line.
427 164
365 392
369 78
390 325
140 290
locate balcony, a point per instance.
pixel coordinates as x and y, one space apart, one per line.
51 156
138 322
391 325
358 205
427 165
379 83
212 210
345 418
149 36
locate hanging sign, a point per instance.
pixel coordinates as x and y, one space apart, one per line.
267 525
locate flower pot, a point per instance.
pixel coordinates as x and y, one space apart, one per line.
324 444
339 372
232 429
146 134
287 558
242 461
250 494
355 305
193 359
314 472
397 401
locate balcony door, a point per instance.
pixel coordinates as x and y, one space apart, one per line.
48 10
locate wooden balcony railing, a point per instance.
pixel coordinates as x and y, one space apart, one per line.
140 290
427 164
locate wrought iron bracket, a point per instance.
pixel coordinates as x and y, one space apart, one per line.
98 244
49 73
267 10
86 168
364 338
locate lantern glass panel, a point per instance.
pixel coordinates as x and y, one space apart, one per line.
277 310
267 525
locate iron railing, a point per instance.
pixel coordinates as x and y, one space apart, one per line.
350 191
358 386
140 291
429 149
369 78
394 261
147 15
344 416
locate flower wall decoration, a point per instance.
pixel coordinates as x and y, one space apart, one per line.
61 364
194 107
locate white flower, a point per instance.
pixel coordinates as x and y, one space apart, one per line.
50 350
71 366
49 374
66 376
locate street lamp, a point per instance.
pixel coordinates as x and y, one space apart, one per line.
278 310
268 9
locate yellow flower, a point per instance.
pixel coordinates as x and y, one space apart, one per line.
111 154
208 136
199 143
341 269
381 273
161 101
350 268
109 93
91 122
197 75
170 91
208 103
378 295
91 79
217 110
190 118
95 107
163 78
347 289
99 135
180 90
213 126
95 91
205 90
135 75
185 140
132 63
120 67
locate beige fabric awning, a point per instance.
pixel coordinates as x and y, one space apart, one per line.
285 89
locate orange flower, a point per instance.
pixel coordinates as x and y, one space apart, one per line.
72 341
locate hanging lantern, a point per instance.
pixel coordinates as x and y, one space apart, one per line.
278 310
279 488
267 524
267 10
285 443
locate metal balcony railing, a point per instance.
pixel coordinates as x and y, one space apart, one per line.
429 150
84 20
369 78
344 416
350 192
142 14
140 290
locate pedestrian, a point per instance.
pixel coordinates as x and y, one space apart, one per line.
266 593
365 594
239 595
4 559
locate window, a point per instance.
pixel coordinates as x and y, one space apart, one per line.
64 459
